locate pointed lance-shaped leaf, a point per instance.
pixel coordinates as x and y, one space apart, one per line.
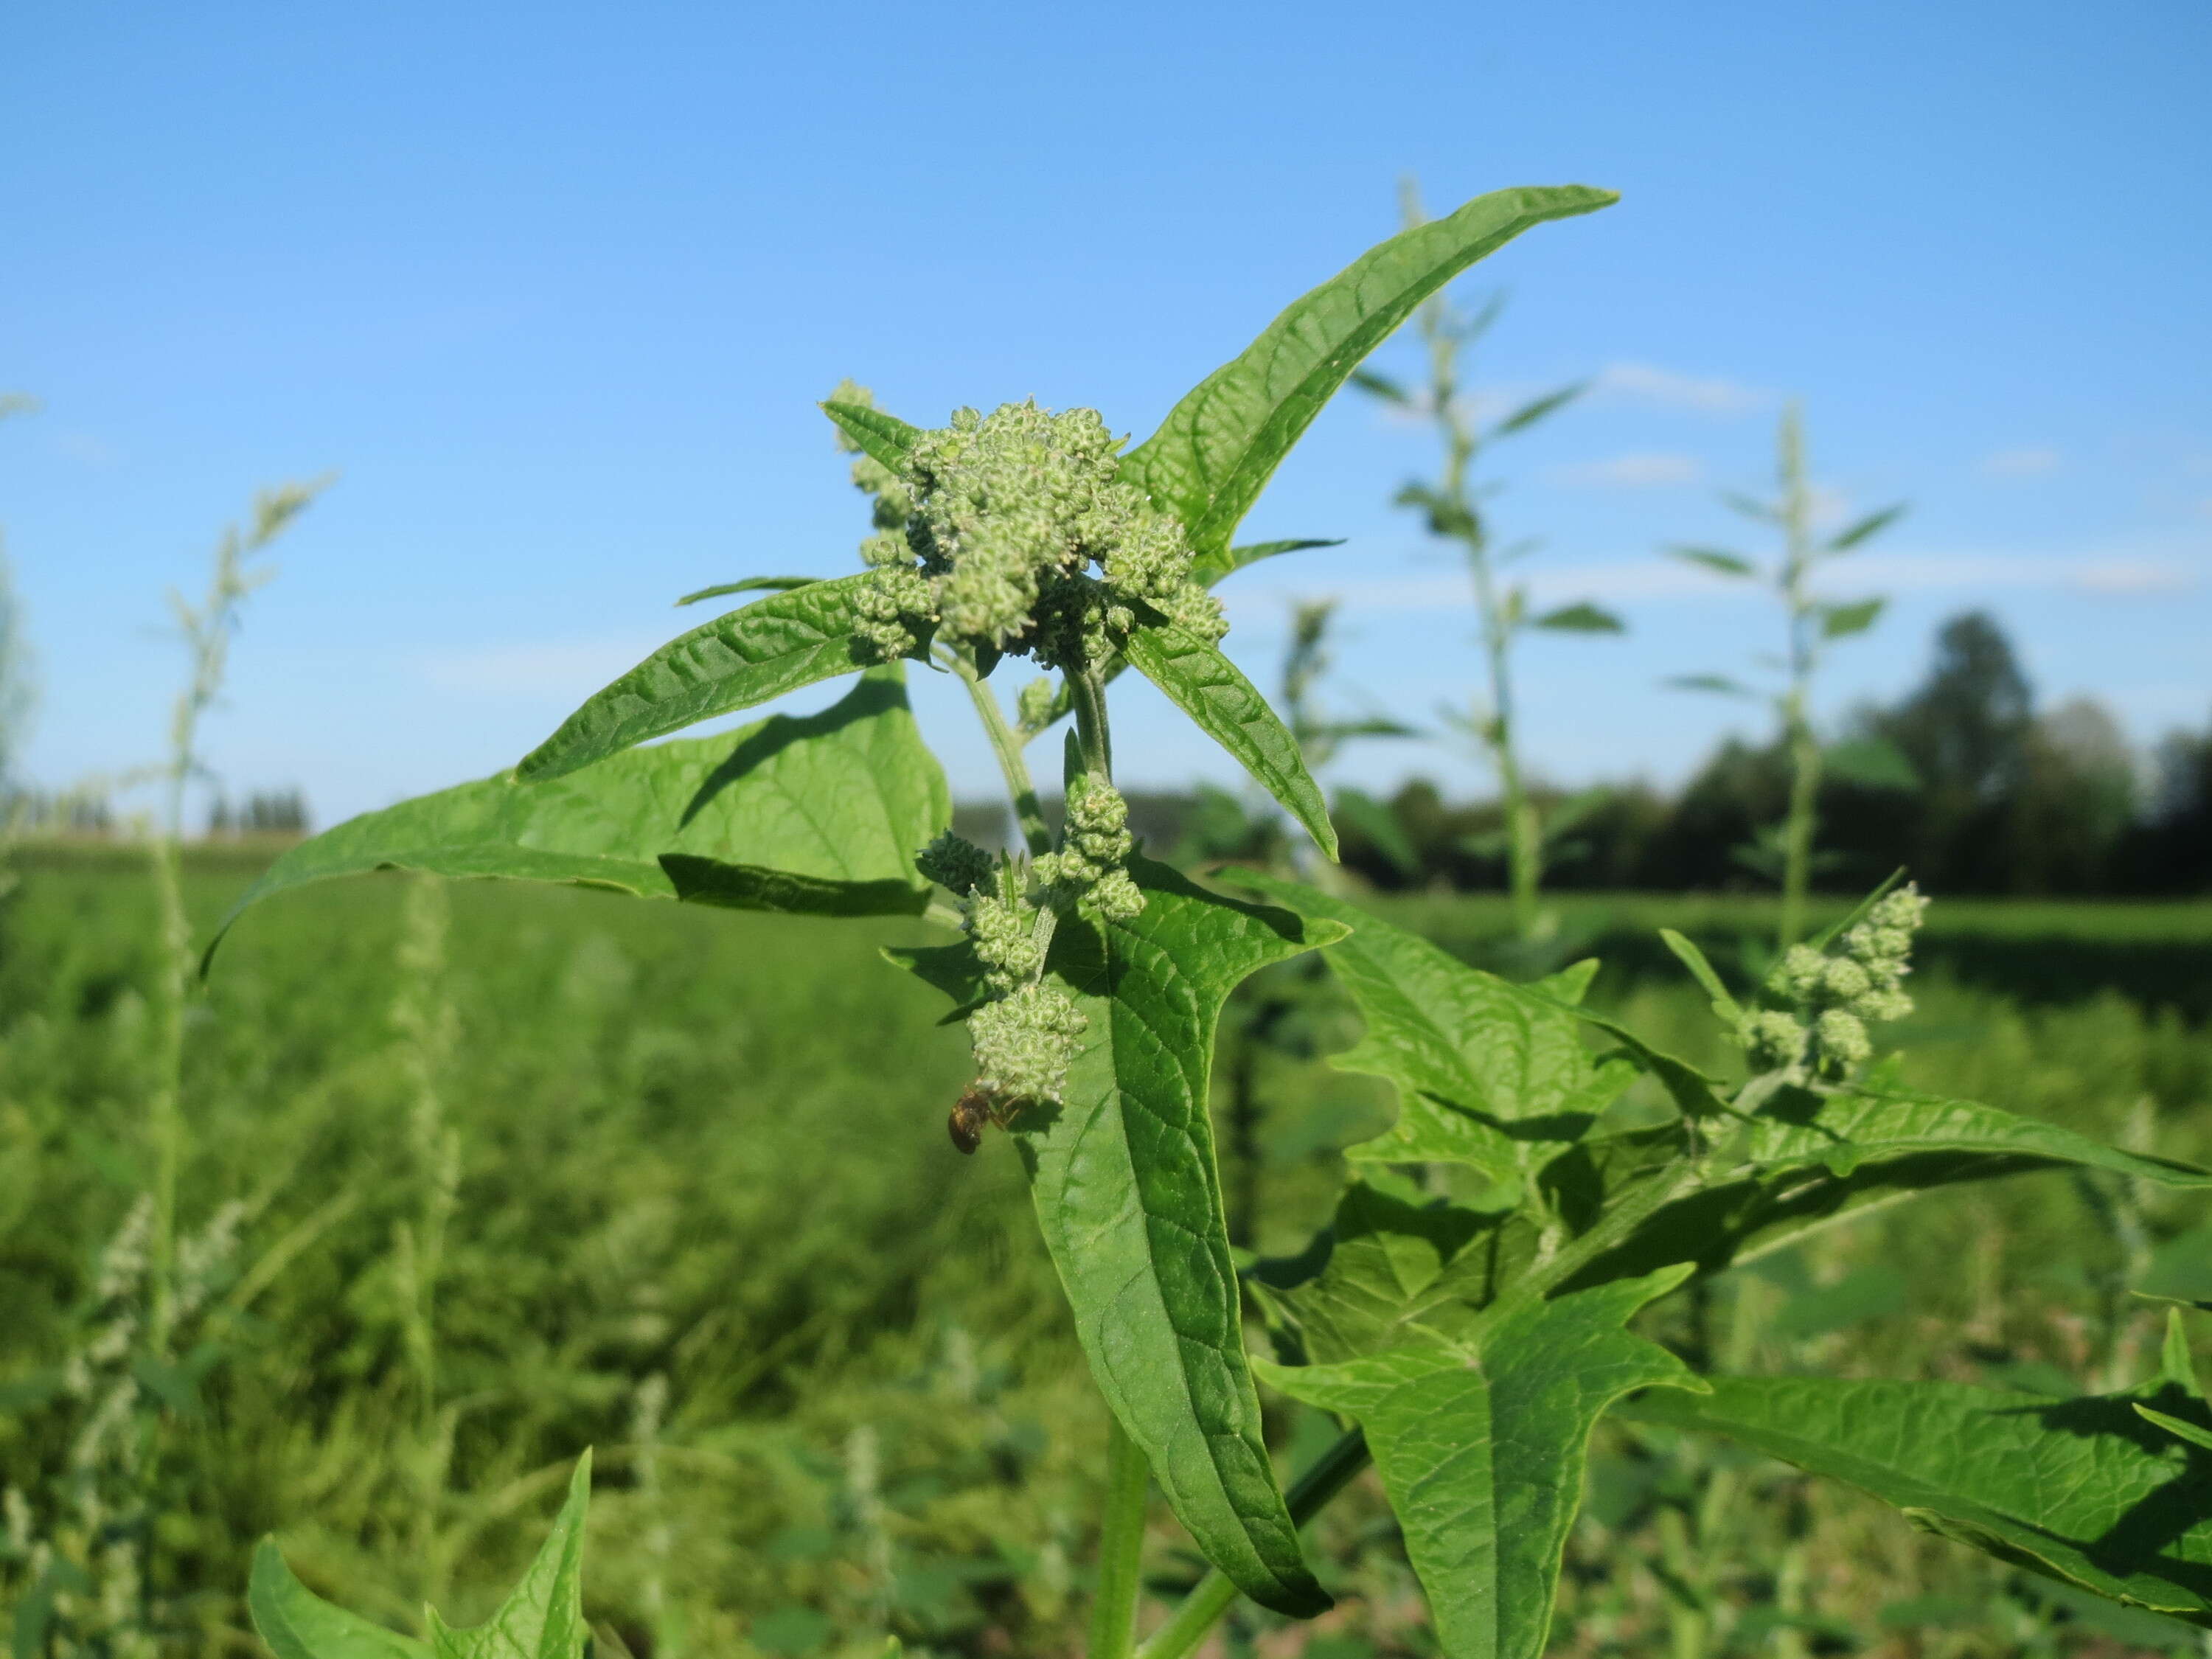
1581 618
1873 762
1381 386
1207 569
2076 1490
1219 445
750 584
770 647
543 1618
1129 1197
1229 709
1839 622
882 437
1716 559
297 1624
1720 685
1866 529
1481 1451
821 812
1537 407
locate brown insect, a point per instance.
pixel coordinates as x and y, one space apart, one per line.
970 1114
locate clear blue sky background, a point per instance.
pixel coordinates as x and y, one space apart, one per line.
554 289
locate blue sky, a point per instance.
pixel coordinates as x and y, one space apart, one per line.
553 290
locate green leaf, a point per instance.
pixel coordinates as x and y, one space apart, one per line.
1219 447
1581 618
297 1624
770 647
1376 821
1839 622
1490 1075
1537 407
750 584
1874 762
1807 1159
2195 1434
1718 559
1719 683
1210 689
1481 1451
1866 529
882 437
1391 1270
1208 569
544 1618
820 812
2076 1490
1128 1198
1381 385
1687 953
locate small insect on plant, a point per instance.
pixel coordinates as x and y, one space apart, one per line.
1466 1328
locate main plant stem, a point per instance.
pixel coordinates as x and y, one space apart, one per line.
1120 1545
1007 745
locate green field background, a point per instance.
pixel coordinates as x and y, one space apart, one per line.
708 1221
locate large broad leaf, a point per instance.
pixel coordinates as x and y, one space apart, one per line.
1217 447
1229 709
823 812
770 647
298 1623
544 1619
2084 1491
1810 1158
1129 1197
1490 1075
1391 1270
1482 1449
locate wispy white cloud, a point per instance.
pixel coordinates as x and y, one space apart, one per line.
1640 469
1665 388
2120 576
572 668
2030 462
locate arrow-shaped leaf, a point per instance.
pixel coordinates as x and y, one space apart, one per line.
298 1623
770 647
823 812
1219 447
2079 1489
544 1617
1482 1449
1229 709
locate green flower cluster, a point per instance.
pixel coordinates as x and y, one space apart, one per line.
1834 996
1091 864
1007 514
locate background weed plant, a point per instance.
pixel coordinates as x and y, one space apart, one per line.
1462 1317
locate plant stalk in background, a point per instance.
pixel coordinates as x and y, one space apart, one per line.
1811 625
1451 503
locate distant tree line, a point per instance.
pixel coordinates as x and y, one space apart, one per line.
2007 801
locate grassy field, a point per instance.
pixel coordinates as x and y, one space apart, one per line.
478 1177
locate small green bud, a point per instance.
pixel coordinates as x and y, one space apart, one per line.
1774 1039
1005 941
1844 979
1115 897
1884 1002
1024 1043
954 862
1843 1041
1034 704
1800 973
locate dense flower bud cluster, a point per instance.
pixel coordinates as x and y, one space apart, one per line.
954 862
1006 515
1005 938
1024 1043
1035 703
1836 996
1092 859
